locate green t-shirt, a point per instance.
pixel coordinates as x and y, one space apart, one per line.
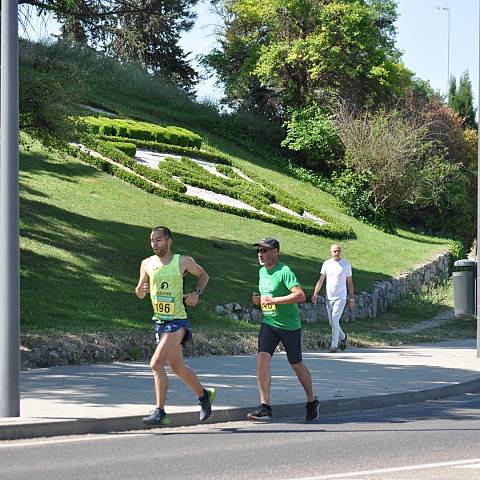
277 282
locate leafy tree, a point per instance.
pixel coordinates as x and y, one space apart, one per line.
461 99
152 40
277 54
146 32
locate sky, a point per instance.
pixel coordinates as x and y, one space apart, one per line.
422 36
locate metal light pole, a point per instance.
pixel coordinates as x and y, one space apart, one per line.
9 216
447 8
478 202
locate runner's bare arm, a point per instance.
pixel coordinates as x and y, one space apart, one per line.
297 295
143 285
189 265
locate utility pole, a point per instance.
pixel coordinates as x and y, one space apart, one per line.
9 215
478 203
447 9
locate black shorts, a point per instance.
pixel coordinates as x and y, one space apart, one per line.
269 337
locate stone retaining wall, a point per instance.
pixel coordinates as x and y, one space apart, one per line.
385 293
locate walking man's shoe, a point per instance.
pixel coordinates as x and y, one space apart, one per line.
263 412
342 345
312 410
205 402
333 350
158 418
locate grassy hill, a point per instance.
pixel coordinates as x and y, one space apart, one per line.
84 232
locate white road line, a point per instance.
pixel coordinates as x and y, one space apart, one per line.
475 465
29 442
455 463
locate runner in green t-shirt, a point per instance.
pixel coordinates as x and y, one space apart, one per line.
161 276
280 292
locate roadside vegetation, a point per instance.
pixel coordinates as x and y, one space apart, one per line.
351 136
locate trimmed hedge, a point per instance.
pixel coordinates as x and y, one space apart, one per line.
313 229
133 129
193 174
128 148
174 149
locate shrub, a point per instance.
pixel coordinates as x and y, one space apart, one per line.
177 150
129 148
471 144
50 89
353 190
142 131
311 132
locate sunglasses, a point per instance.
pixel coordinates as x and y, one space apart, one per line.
263 250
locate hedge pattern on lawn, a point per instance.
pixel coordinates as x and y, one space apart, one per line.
108 150
133 129
326 230
174 149
109 138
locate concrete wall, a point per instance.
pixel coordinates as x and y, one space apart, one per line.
384 295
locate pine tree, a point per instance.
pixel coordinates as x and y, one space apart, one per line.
465 101
461 99
452 93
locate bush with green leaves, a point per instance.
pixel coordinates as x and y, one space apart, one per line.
50 89
217 157
311 132
134 129
353 190
398 174
126 147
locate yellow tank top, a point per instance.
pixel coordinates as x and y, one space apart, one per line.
166 291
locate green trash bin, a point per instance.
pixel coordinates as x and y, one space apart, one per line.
464 287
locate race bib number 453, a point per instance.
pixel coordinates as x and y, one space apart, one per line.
269 309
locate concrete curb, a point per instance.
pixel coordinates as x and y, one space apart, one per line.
14 429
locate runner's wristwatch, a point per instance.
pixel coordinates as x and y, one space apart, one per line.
198 291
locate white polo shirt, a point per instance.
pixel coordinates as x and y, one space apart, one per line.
336 273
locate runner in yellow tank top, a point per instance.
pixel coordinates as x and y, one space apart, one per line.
161 275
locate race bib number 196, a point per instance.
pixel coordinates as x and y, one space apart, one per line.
164 307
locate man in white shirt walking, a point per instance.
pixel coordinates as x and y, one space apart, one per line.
338 273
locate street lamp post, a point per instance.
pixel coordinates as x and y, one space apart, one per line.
9 215
478 202
447 9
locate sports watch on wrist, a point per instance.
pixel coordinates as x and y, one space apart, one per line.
198 291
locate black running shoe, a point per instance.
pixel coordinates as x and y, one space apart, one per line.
342 345
333 350
158 417
205 402
312 410
263 412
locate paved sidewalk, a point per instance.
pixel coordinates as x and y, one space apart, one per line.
114 397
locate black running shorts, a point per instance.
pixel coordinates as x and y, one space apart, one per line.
269 337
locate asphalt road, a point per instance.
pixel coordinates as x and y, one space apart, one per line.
429 441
